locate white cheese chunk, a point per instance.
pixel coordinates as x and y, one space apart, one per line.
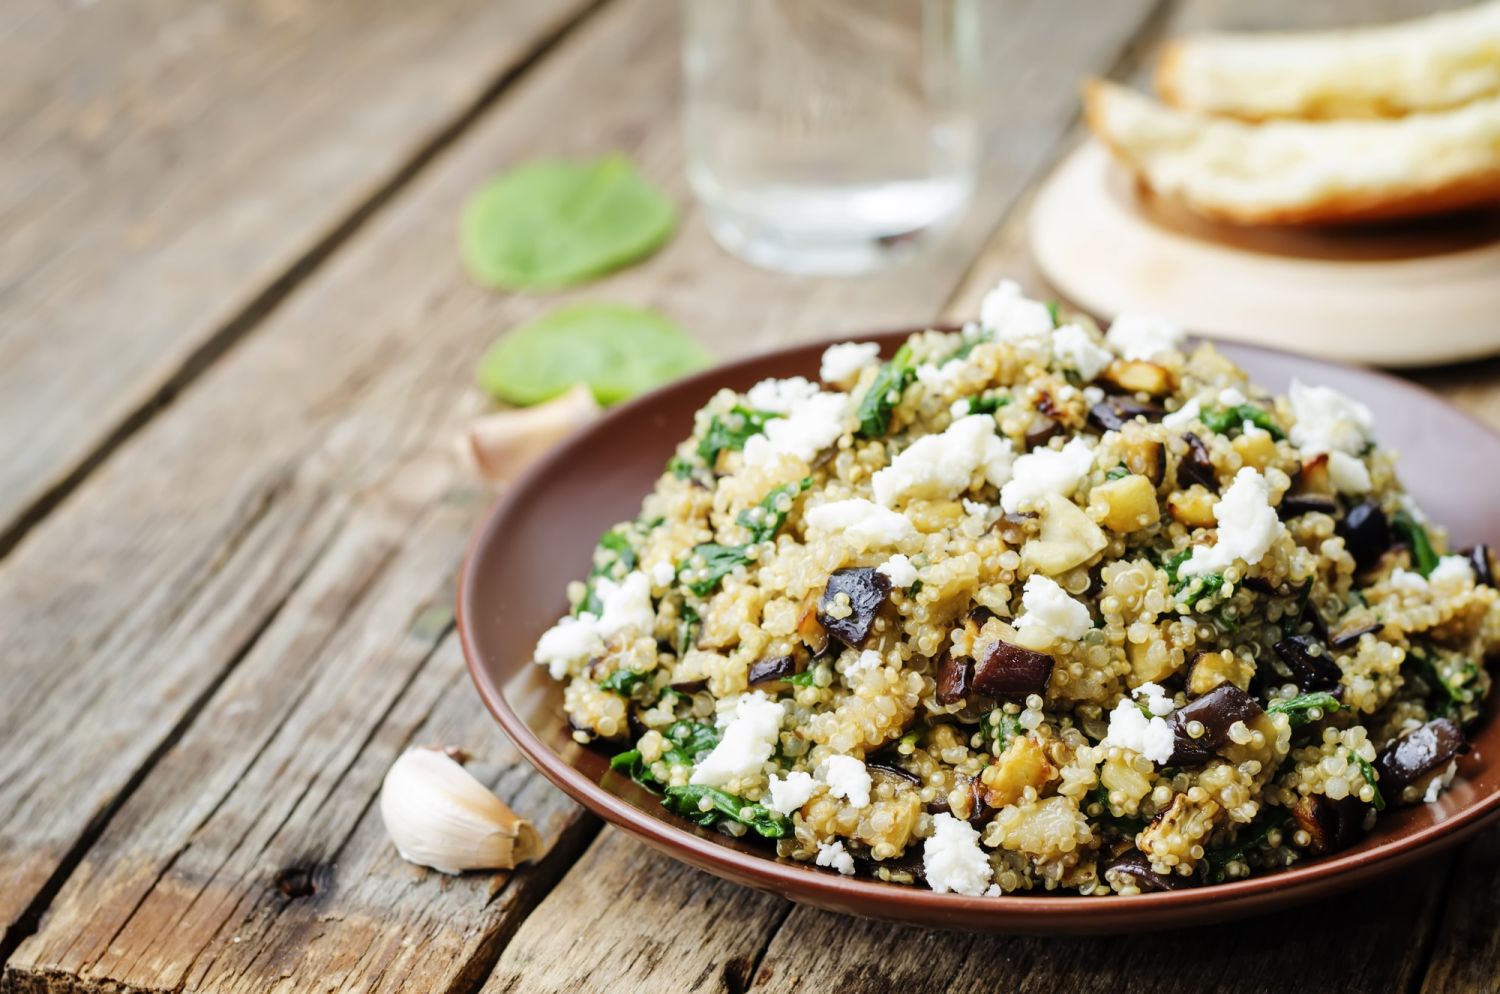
1247 526
1348 474
944 465
1130 729
846 778
952 859
781 396
811 425
571 640
900 570
1184 415
1328 421
627 605
1074 348
789 793
1049 607
749 737
1046 471
834 855
862 523
1011 317
1143 336
842 363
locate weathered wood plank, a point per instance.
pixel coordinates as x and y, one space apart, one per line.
1465 954
170 166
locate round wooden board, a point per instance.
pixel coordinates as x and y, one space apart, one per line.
1394 295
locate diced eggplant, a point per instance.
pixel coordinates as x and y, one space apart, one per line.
1197 466
955 678
1294 505
1309 662
1216 711
1312 477
691 686
1012 673
867 591
1366 533
1419 753
1135 866
771 668
1139 376
811 630
891 769
1483 564
1148 458
979 614
1330 825
1112 413
1350 634
1041 431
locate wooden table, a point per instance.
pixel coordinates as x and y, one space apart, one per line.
234 343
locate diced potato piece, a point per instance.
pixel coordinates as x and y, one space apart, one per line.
1211 669
1194 507
1023 764
1256 448
1143 667
934 515
1314 477
1129 503
1068 537
1139 376
1119 775
1146 457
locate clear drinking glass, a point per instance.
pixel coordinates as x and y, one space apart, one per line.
830 136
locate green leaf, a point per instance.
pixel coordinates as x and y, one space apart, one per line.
884 394
1299 710
1204 587
688 620
618 351
1424 559
987 403
1172 565
765 519
685 801
1216 861
1223 420
680 468
1054 314
614 556
622 681
553 223
718 561
1118 473
732 431
807 678
1368 772
763 522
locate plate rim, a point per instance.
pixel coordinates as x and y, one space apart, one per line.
874 898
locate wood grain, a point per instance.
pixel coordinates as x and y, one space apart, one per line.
171 167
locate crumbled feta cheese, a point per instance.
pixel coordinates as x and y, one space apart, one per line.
1348 474
938 379
1247 526
1230 397
843 362
789 793
1074 348
811 425
1452 571
663 573
1157 701
1184 415
867 660
847 778
952 859
900 570
1408 581
993 890
1092 395
1129 729
1143 336
627 604
781 396
943 465
571 640
1046 471
1048 606
1013 318
747 741
864 524
1436 785
833 854
1328 421
959 408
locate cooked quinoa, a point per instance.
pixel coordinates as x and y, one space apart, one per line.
1031 607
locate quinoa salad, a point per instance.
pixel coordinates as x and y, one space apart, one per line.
1031 607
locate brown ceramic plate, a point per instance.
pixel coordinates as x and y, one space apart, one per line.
542 534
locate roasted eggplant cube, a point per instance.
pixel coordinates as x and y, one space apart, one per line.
1011 673
1419 753
1483 564
1366 533
1295 505
1112 413
770 669
1308 659
955 678
1350 635
1216 711
1330 825
867 591
1196 466
1133 865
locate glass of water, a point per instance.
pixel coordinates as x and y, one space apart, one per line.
830 136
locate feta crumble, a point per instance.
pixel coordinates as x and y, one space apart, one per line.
780 396
867 660
1012 317
1348 474
938 379
810 425
663 573
1074 348
1328 421
1049 607
1407 581
1046 471
1247 526
1156 699
952 859
834 855
1143 336
1452 571
626 604
1130 729
789 793
747 741
846 778
570 640
900 570
842 363
943 465
1184 415
864 524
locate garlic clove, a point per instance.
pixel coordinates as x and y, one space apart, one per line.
498 446
440 816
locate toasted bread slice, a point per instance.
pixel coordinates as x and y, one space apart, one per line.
1428 64
1303 172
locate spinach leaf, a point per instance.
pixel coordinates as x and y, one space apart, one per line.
1213 868
1054 313
1424 559
622 681
1368 772
689 742
1223 420
1120 823
685 801
987 403
1299 709
688 619
732 431
807 678
1172 565
875 406
553 223
680 468
763 522
618 351
1204 586
1118 473
618 559
718 562
765 519
1446 696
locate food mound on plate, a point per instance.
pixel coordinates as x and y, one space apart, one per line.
1028 607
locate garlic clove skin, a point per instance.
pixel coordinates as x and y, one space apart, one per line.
441 817
499 446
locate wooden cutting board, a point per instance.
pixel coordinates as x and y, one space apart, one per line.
1412 294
